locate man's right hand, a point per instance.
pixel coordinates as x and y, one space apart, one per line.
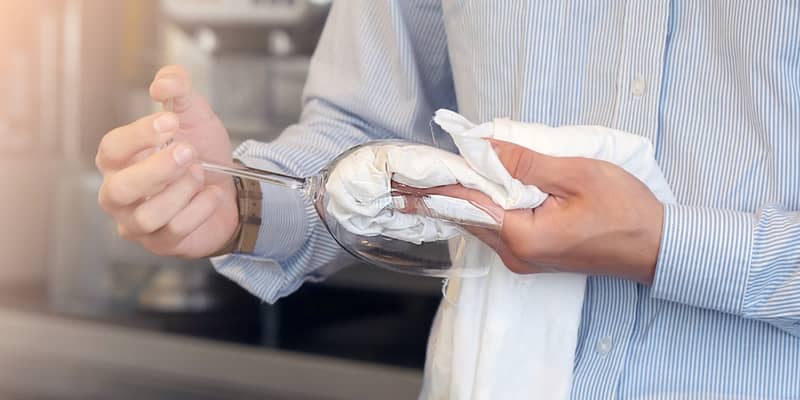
163 199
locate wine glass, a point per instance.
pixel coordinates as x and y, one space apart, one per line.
440 257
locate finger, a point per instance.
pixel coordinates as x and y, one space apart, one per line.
173 87
411 199
191 217
519 227
489 236
524 237
172 83
156 212
120 145
533 168
414 202
533 228
513 263
146 178
475 197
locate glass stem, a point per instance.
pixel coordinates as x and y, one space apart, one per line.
274 178
292 182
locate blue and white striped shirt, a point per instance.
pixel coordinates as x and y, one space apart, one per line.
715 85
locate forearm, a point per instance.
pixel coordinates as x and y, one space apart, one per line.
293 245
379 72
735 262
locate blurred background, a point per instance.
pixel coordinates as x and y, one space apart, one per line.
85 315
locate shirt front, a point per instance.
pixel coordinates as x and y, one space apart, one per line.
714 85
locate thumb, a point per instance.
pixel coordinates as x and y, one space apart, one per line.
531 167
172 86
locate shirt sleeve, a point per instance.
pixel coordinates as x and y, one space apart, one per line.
379 71
735 262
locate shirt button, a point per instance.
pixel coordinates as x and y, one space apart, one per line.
604 345
638 87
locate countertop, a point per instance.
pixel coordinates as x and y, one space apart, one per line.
45 356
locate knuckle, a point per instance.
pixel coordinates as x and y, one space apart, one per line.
123 232
536 251
513 161
108 141
522 249
144 221
158 173
158 249
591 168
582 172
101 158
173 69
606 168
178 72
519 162
144 130
177 229
598 167
169 69
195 185
182 74
113 147
525 162
114 193
103 143
102 199
111 195
152 90
514 265
164 70
98 161
104 140
165 174
597 173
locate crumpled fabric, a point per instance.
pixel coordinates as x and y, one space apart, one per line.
501 335
358 190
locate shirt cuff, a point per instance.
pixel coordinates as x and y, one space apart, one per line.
262 277
284 216
704 260
284 223
268 272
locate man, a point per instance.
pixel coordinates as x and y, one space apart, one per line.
695 300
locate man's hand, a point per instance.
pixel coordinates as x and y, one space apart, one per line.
163 200
598 220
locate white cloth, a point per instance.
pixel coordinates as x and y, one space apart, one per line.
500 336
358 190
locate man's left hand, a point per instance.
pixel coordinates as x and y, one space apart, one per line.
599 219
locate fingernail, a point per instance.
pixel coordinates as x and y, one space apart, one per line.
165 123
197 174
182 154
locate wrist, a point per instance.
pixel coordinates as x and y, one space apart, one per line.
636 249
248 205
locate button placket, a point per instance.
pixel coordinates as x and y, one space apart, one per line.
612 305
641 69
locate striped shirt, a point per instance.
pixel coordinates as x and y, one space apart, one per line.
715 85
